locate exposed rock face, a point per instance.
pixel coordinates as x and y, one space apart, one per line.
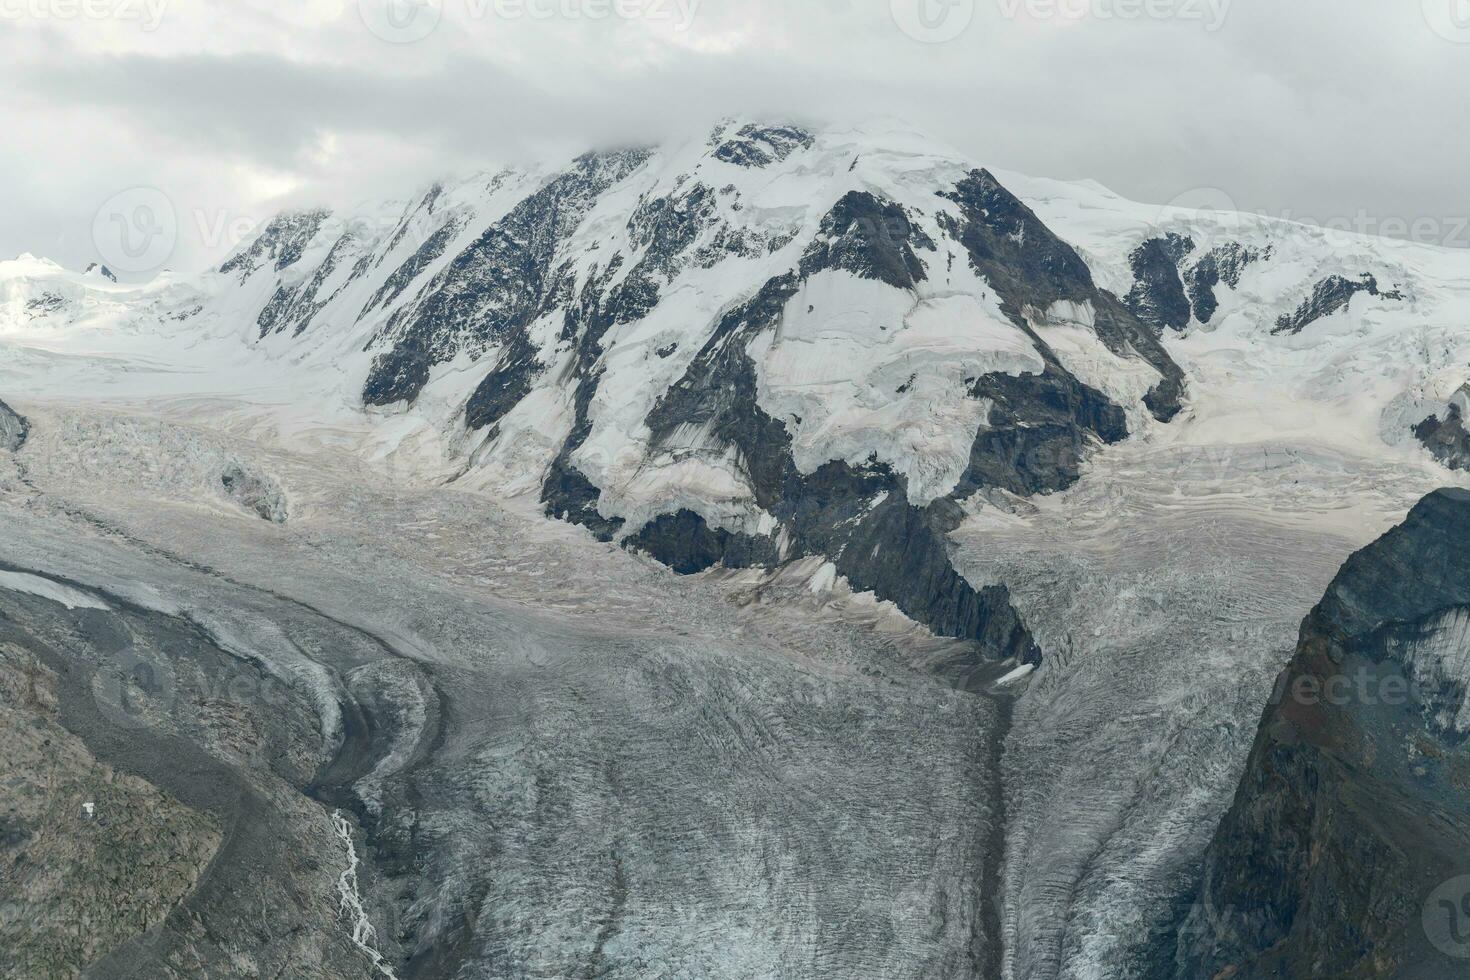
91 856
153 816
497 286
1447 438
1157 297
760 146
260 495
280 245
45 304
870 238
1032 269
1173 285
1223 263
1329 296
1343 853
293 307
13 429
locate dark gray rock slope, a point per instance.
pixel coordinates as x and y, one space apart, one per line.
13 429
1330 296
1446 438
497 286
1157 297
1346 850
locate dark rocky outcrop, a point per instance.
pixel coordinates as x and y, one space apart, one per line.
1346 847
256 493
566 492
13 429
45 304
686 543
281 244
761 146
1447 438
505 386
495 287
1223 263
102 271
1039 431
1157 297
1031 269
661 232
871 238
412 267
413 218
294 307
1329 296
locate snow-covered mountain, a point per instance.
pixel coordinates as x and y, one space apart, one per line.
1124 448
767 344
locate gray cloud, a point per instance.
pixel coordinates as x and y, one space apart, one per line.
1322 109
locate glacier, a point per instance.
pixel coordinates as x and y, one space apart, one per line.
998 501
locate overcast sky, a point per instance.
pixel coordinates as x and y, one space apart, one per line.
1328 110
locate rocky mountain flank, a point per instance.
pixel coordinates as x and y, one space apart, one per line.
1346 850
13 429
713 371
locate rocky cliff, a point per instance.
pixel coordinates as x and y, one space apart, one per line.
1348 846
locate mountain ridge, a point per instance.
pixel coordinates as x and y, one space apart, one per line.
771 343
